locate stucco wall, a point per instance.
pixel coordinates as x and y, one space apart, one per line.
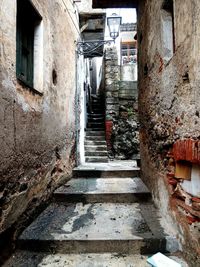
169 103
85 6
37 132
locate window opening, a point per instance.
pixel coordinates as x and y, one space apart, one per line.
28 20
168 29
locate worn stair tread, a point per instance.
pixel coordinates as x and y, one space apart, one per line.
95 148
94 159
95 145
103 185
98 157
100 126
96 115
121 190
96 153
93 129
128 227
95 142
88 133
95 119
97 137
33 259
107 170
110 166
97 110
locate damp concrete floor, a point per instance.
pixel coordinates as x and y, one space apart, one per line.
31 259
100 185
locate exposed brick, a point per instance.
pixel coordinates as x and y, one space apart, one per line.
188 150
172 181
191 219
109 125
196 206
170 174
196 199
188 209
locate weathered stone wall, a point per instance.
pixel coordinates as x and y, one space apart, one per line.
37 132
111 87
122 127
169 104
125 134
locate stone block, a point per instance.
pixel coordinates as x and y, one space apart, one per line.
112 87
113 107
112 100
128 85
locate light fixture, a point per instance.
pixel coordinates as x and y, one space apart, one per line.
91 48
114 22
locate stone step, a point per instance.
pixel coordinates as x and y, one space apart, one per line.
96 153
33 259
95 120
96 100
96 96
97 104
95 148
119 169
96 138
96 115
96 159
95 143
102 190
94 129
95 125
97 110
95 133
95 228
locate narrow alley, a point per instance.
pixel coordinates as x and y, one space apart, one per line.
105 221
99 133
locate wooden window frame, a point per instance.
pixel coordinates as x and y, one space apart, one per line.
27 19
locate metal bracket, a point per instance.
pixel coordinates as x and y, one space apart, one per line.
87 48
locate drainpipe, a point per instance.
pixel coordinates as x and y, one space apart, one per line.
76 110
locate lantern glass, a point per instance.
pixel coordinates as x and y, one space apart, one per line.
114 22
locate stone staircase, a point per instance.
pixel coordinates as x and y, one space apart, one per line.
95 143
104 216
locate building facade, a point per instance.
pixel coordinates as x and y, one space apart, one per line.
38 96
42 108
168 85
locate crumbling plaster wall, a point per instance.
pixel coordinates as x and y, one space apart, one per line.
169 100
37 132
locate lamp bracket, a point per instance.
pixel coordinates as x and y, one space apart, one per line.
87 48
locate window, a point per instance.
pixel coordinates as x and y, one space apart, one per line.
167 15
128 53
28 21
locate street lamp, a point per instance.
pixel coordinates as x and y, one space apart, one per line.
90 47
114 22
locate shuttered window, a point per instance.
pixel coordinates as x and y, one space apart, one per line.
27 18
